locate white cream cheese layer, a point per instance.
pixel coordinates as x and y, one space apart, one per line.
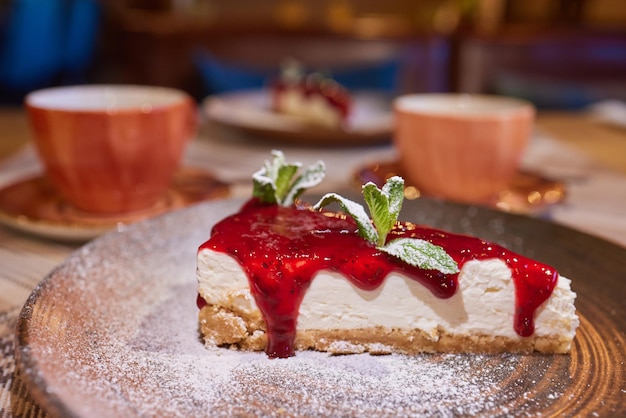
314 108
483 304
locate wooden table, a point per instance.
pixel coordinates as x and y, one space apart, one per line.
597 206
601 141
14 130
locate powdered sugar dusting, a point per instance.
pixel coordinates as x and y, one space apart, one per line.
113 332
309 384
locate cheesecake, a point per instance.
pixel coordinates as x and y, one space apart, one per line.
313 98
284 275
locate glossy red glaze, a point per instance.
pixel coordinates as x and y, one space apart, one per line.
282 248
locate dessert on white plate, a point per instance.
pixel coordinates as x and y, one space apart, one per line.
312 98
281 276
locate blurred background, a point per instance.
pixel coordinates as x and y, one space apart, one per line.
560 54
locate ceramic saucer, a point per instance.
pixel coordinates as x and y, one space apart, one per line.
33 205
527 193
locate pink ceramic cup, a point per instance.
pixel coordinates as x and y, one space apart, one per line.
111 148
461 147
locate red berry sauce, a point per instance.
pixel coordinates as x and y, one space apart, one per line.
282 248
336 95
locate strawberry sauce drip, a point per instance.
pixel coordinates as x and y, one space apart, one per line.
282 248
336 96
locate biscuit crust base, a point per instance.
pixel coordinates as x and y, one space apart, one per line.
220 327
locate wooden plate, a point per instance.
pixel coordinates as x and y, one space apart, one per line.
112 331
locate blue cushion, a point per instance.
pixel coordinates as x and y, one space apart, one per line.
221 76
563 93
31 53
381 76
44 40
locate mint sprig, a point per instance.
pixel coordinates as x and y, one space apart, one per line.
366 228
421 253
275 182
385 205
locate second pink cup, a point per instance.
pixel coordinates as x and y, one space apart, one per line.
461 147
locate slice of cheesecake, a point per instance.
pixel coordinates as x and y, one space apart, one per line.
281 278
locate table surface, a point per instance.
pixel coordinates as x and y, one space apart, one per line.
588 155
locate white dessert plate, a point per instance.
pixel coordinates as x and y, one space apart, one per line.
371 120
112 332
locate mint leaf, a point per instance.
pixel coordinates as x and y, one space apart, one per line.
283 179
378 204
366 229
394 189
422 254
274 183
385 205
311 177
263 188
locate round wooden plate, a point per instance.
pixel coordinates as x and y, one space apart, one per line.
113 330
